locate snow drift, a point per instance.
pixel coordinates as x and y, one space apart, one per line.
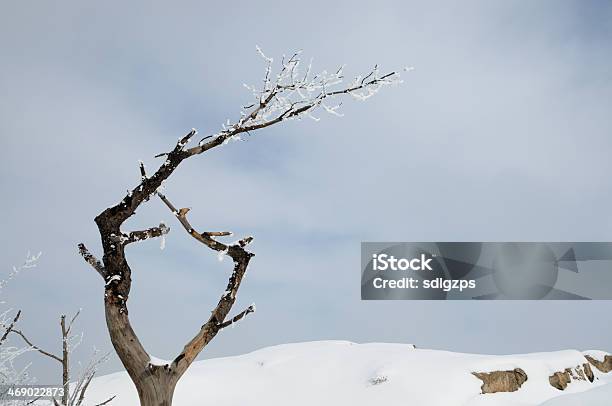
335 373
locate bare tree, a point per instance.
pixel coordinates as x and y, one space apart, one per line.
9 374
69 343
291 93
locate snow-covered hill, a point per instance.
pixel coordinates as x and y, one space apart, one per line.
337 373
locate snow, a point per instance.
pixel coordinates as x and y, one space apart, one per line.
158 361
598 355
600 396
221 254
113 278
344 373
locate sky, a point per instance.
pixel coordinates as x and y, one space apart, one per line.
500 133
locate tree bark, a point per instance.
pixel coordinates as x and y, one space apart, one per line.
156 386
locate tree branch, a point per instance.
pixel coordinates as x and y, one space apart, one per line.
92 260
217 233
65 360
106 401
10 327
28 342
82 383
205 237
112 218
72 321
216 321
84 389
136 236
143 172
210 329
293 96
238 317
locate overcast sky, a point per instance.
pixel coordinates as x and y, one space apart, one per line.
502 132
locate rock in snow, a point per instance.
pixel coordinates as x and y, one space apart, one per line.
338 373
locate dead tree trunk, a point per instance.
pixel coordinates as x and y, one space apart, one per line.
156 386
155 383
290 96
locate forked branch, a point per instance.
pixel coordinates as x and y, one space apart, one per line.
206 236
216 322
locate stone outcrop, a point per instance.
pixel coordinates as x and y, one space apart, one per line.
588 372
511 381
604 366
501 381
561 379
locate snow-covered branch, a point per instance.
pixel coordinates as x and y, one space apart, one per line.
295 92
136 236
85 377
9 374
30 262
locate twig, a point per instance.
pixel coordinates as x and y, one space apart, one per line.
10 327
106 401
238 317
72 321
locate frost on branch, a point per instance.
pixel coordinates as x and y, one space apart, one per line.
30 262
9 353
291 90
